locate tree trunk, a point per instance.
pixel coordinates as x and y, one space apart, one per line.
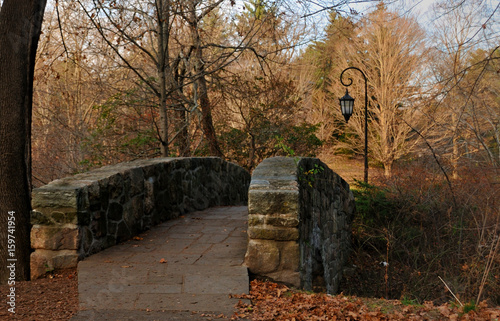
251 152
206 108
163 34
20 23
206 118
455 151
387 169
182 112
183 136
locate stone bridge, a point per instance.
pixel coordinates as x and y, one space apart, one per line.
299 220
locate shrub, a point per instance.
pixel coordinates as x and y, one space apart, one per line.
423 228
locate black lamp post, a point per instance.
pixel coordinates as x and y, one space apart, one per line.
346 107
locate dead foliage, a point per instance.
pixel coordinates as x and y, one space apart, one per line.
271 301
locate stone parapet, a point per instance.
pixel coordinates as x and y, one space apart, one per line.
80 215
299 226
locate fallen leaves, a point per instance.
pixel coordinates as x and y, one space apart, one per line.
51 298
271 301
163 260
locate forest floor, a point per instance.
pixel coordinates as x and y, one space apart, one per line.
271 301
55 297
51 298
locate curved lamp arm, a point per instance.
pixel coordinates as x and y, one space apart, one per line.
366 112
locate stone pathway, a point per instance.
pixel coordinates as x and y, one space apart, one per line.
178 270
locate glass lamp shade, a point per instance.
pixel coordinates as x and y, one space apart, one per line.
346 105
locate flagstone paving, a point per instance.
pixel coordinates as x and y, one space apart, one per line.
179 270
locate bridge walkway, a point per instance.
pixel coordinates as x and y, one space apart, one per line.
178 270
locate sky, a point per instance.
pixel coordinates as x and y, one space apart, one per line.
415 7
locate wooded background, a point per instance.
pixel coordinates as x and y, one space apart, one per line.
120 80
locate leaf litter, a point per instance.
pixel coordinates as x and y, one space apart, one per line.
271 301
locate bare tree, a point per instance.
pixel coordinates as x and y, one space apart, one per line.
318 72
20 25
70 80
260 112
460 110
392 52
196 12
139 33
171 48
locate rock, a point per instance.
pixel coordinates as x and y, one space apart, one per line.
55 238
262 256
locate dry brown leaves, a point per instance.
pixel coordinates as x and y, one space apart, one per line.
271 301
51 298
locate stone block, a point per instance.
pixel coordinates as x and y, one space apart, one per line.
38 217
64 259
123 232
136 181
64 216
284 220
53 196
133 211
277 220
273 233
38 265
286 276
290 256
115 212
93 194
116 186
54 238
273 201
54 216
256 219
42 261
262 256
149 195
86 239
98 225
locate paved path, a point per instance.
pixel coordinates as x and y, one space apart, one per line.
178 270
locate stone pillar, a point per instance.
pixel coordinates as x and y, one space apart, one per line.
299 224
54 235
273 208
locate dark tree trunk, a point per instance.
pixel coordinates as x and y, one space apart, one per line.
183 136
20 23
206 118
206 109
182 121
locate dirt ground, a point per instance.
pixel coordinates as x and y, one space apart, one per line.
52 298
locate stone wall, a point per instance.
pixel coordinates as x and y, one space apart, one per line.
300 215
77 216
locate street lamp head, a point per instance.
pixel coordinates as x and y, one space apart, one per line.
346 105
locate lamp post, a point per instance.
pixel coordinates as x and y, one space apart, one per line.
346 107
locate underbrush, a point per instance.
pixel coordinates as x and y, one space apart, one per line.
419 237
271 301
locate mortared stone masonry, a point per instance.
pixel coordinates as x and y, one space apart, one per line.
80 215
299 224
